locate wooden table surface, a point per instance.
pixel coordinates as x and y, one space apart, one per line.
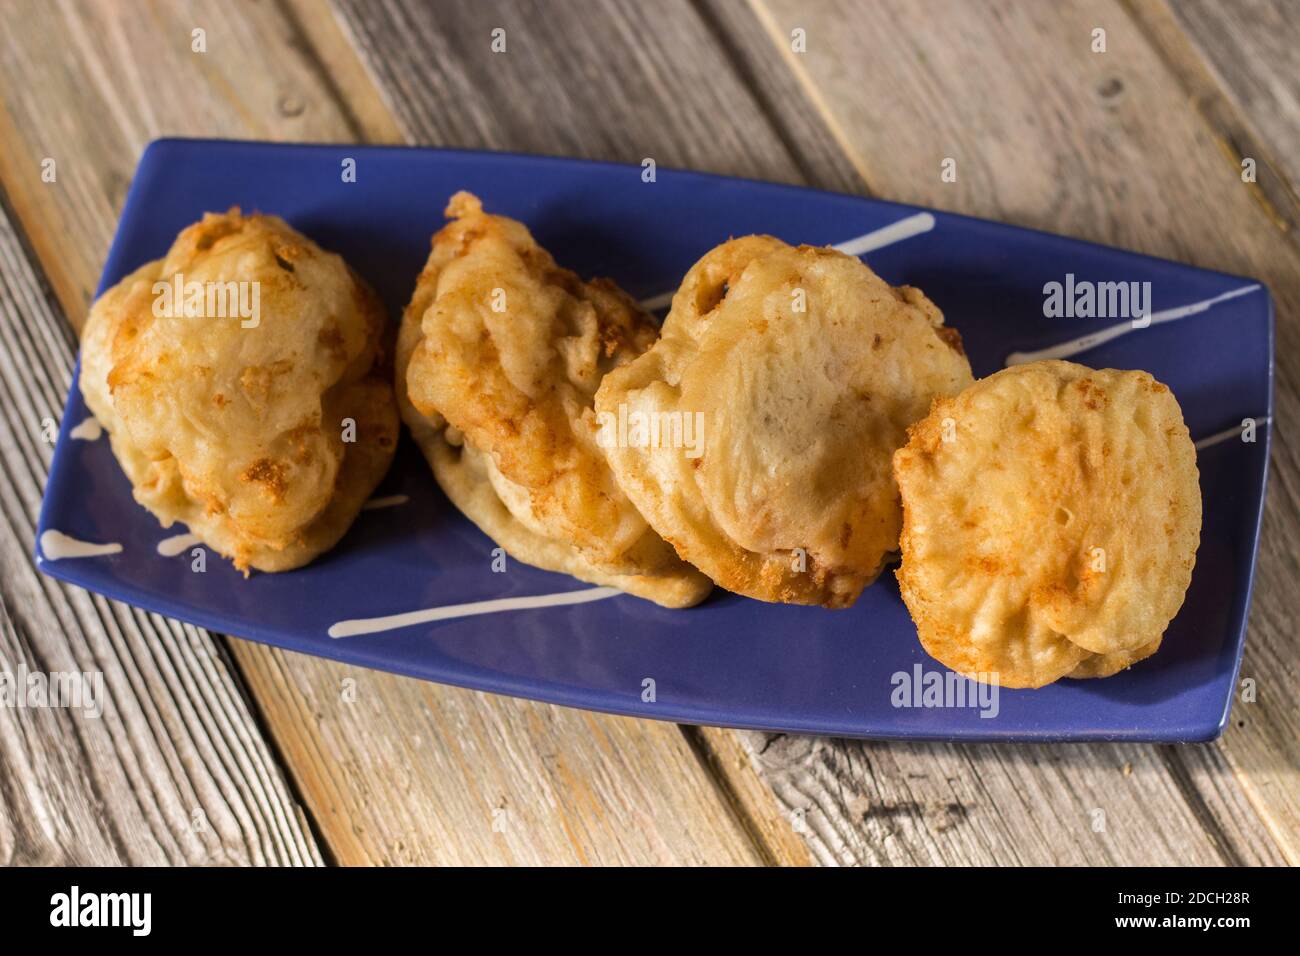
216 750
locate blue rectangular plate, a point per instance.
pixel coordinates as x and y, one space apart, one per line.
731 661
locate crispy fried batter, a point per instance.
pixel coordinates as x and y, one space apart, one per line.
804 368
1054 532
235 427
1106 665
500 354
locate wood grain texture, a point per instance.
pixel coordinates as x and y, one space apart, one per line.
1106 147
82 84
1252 48
87 84
174 769
873 803
317 33
413 772
1231 122
927 804
1267 754
612 79
405 772
775 831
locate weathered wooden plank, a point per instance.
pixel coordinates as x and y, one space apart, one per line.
466 778
81 85
788 105
1227 119
666 95
610 80
776 832
173 768
87 84
928 804
1252 48
318 34
1046 133
894 803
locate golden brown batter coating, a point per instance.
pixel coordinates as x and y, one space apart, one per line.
235 424
500 354
1054 532
804 369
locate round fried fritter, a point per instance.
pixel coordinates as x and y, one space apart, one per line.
499 357
1052 514
235 425
801 370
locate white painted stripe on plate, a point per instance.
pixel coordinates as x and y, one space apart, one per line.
55 545
170 547
906 228
1219 438
89 430
392 501
657 302
1094 339
374 625
915 225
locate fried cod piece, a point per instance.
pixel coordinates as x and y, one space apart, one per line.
799 370
1052 514
226 375
498 359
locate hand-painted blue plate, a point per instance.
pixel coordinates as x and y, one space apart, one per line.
411 588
